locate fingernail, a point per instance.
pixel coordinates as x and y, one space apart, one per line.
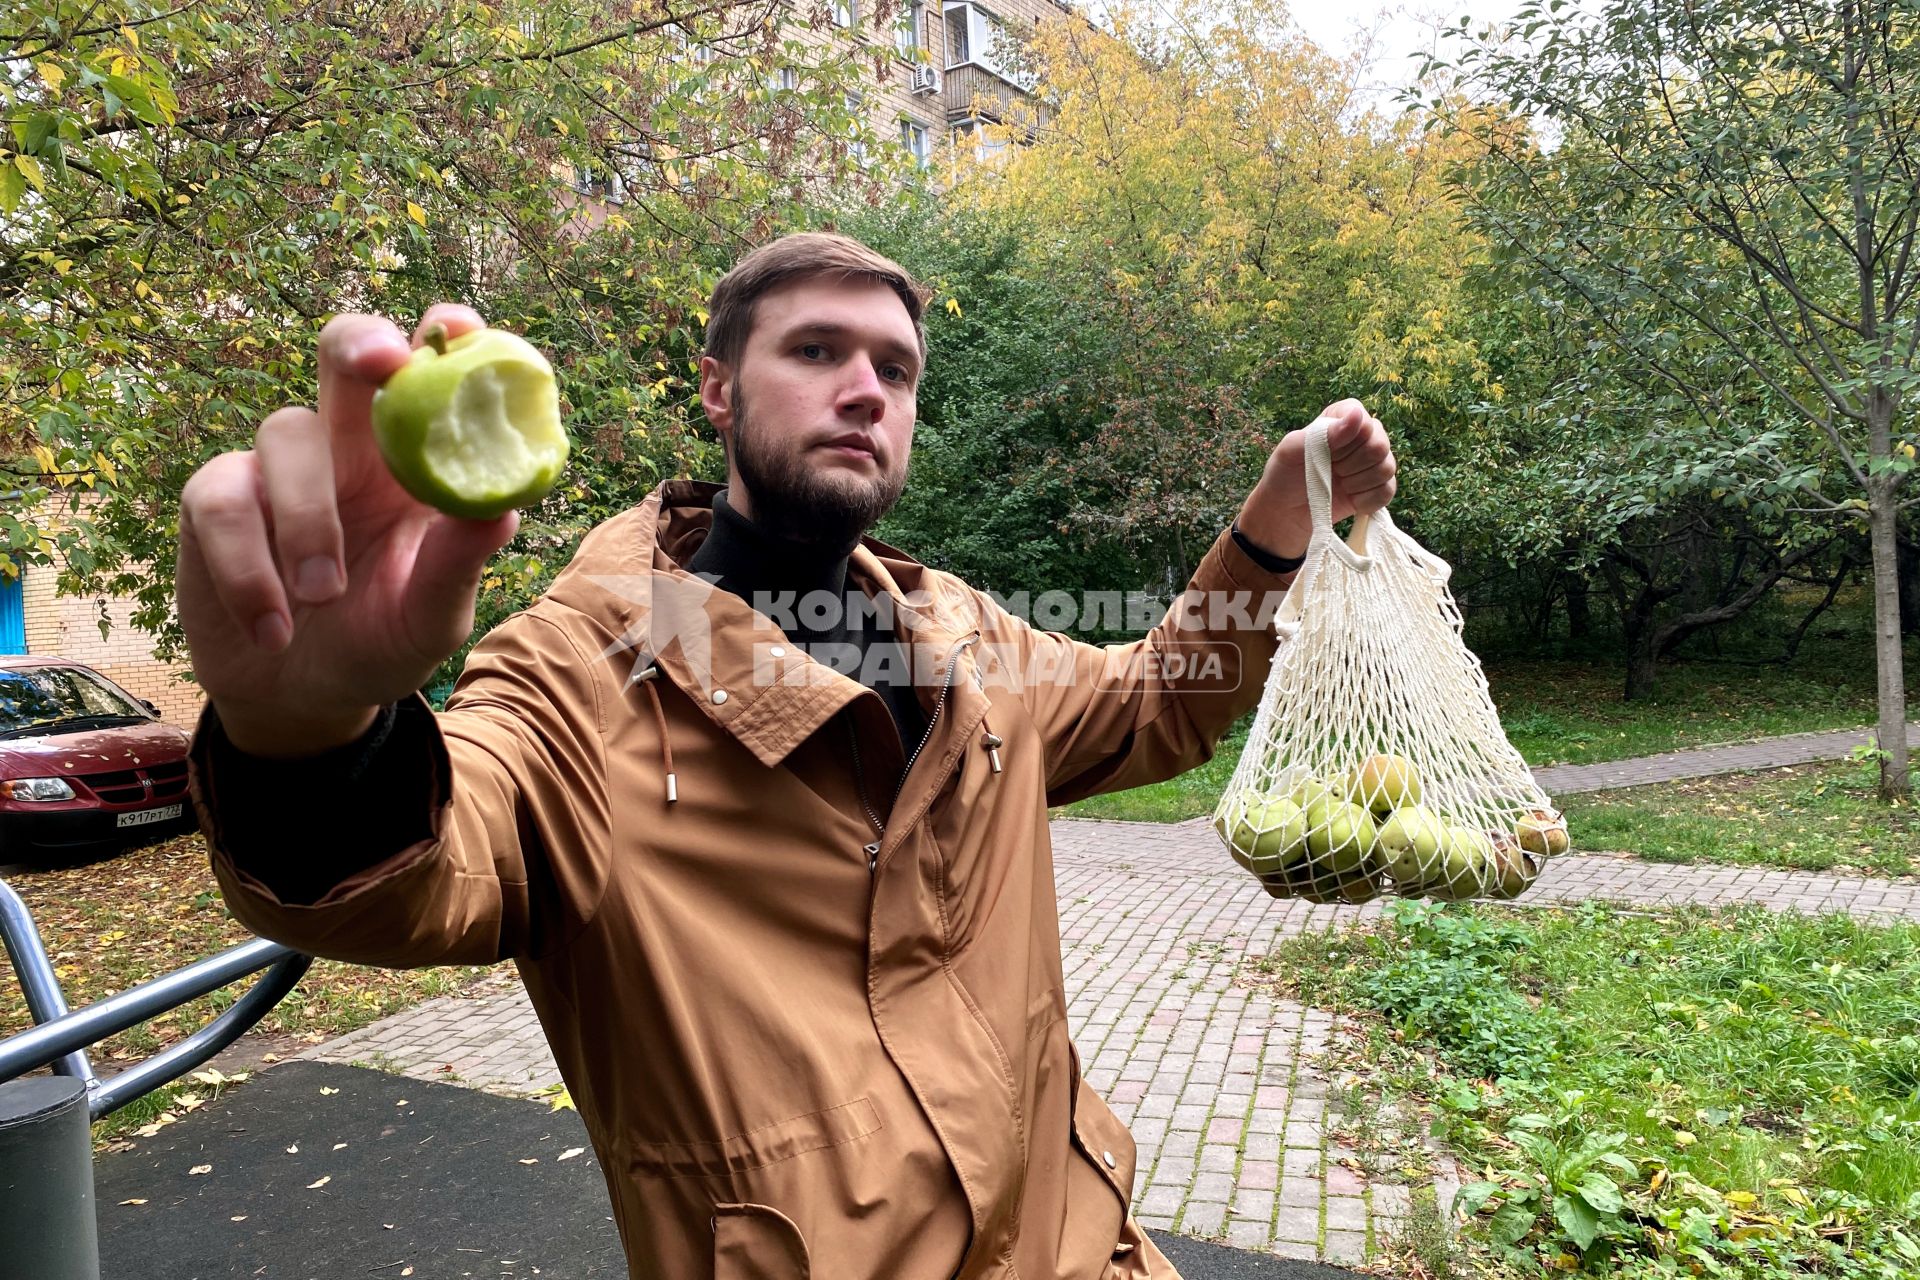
272 632
317 579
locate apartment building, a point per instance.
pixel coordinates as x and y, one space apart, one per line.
955 67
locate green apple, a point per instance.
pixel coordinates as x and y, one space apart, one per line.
1309 789
1339 836
1466 867
1410 843
471 425
1382 783
1281 830
1231 824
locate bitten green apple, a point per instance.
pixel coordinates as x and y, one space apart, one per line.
471 425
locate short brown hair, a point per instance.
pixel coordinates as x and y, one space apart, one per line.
803 255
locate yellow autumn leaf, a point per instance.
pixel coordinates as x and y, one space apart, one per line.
953 305
30 170
44 456
415 212
54 75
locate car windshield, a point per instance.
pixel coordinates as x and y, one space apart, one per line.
42 697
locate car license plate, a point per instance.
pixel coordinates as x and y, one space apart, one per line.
144 816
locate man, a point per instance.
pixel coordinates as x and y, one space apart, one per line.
792 936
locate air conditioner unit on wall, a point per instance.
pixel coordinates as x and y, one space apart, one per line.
926 78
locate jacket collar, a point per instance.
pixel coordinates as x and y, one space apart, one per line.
729 660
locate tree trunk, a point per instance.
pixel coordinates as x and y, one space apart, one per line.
1579 615
1642 664
1882 517
1909 586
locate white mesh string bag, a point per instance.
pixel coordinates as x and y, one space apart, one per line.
1377 762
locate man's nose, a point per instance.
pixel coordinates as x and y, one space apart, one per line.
863 388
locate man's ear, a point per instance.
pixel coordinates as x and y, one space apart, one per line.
716 394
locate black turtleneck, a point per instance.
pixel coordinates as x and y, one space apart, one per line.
774 574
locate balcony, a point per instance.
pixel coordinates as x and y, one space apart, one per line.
970 80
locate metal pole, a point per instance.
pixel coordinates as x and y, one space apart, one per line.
46 1182
37 980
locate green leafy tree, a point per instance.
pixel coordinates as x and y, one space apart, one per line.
187 193
1727 191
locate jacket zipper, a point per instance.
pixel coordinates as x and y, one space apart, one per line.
860 775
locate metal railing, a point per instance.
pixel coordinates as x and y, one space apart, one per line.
46 1158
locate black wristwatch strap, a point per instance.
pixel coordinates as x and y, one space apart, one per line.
1264 558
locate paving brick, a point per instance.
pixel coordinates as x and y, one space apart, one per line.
1299 1223
1348 1247
1346 1213
1203 1217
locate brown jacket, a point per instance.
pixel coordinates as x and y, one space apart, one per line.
801 1049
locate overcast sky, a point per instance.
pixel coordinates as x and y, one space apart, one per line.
1399 32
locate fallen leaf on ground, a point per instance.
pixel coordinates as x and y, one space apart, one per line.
136 1200
315 1186
531 1160
294 1150
570 1153
326 1090
199 1168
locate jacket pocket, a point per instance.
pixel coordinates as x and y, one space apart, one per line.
757 1242
1102 1139
757 1148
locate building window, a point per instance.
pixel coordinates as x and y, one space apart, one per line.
959 27
913 136
911 35
985 140
845 12
787 78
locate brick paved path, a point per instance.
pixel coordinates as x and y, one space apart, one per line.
1217 1080
1701 762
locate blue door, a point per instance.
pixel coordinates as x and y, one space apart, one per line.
13 614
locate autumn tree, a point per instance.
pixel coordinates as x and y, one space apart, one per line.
1250 242
1727 192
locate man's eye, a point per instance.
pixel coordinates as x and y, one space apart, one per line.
897 373
813 350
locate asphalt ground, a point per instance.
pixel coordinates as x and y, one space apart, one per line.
314 1171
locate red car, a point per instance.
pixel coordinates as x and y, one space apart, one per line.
84 765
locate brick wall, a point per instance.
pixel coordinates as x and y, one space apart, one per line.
69 627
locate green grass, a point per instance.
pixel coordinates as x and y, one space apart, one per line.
1818 817
1732 1094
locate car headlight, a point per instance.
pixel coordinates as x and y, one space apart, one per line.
36 789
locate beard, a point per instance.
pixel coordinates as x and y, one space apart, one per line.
825 507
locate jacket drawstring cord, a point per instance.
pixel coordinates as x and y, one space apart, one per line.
650 678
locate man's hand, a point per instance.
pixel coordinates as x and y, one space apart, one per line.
312 588
1275 515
